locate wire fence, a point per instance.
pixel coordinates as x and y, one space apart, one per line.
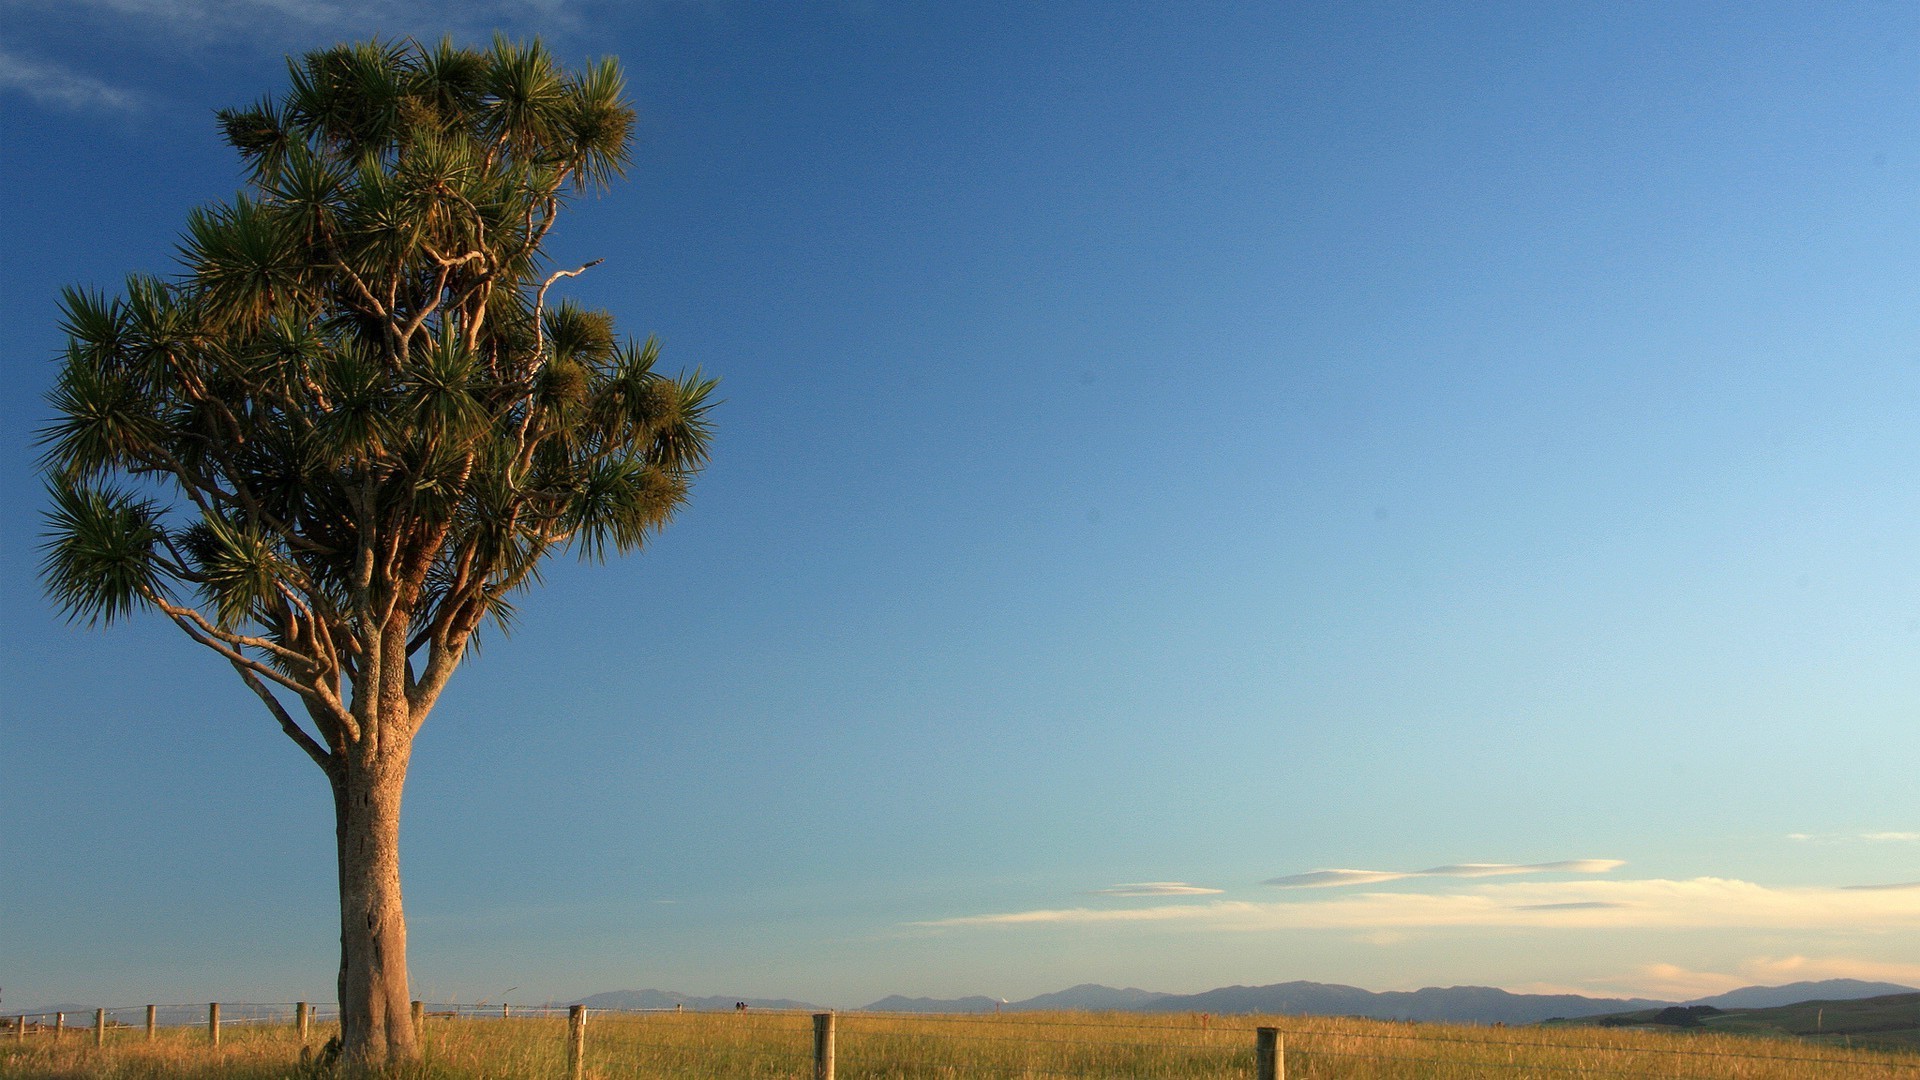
776 1043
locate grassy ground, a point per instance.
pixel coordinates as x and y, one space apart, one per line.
1887 1023
712 1046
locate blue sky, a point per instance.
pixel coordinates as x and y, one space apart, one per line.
1167 451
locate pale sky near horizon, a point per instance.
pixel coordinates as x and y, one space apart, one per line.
1206 494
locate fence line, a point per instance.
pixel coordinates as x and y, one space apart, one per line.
1269 1050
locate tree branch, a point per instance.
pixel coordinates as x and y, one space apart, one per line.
191 622
208 628
294 731
540 306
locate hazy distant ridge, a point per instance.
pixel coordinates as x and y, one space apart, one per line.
1093 997
895 1003
1767 997
667 999
1455 1004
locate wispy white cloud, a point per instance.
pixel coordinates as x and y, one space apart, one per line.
1804 968
263 26
1676 983
52 84
1707 903
1883 837
200 17
1156 888
1324 879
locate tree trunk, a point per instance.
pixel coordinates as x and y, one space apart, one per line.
376 1022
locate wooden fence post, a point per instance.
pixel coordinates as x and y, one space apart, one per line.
20 1028
419 1016
576 1040
152 1010
302 1019
213 1022
59 1025
99 1027
823 1046
1269 1055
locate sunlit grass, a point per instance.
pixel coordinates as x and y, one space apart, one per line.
769 1045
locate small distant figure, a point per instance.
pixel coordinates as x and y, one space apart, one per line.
739 1006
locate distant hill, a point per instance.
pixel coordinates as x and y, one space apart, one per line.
1457 1004
1452 1004
896 1003
1766 997
1087 997
1891 1021
1483 1004
1091 997
667 999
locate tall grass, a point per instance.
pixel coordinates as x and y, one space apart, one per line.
1015 1046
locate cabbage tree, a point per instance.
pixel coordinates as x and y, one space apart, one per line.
334 446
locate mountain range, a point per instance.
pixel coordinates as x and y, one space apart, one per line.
1452 1004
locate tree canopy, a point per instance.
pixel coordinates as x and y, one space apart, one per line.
357 404
340 440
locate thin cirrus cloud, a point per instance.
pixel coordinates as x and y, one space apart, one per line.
1883 837
1156 888
161 26
61 87
226 18
1326 879
1677 983
1696 903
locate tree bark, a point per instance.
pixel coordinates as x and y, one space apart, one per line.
376 1023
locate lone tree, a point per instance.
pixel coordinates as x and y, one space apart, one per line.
336 445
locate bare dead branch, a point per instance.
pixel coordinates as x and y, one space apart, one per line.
540 307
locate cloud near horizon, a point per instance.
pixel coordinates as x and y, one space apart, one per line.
1156 888
1704 903
1327 879
1883 837
1676 983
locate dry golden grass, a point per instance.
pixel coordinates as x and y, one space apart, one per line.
1028 1046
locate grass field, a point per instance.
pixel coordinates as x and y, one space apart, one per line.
712 1046
1891 1022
